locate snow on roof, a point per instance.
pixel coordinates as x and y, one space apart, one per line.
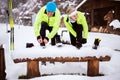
115 23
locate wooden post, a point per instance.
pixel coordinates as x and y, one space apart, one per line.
92 18
2 65
33 69
93 68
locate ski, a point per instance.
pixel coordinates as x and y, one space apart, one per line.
11 26
117 50
7 20
12 39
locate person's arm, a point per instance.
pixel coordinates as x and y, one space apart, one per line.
55 25
85 26
37 22
69 26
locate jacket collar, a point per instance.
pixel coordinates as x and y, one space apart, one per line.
46 12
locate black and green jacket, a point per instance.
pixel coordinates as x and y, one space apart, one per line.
53 21
81 20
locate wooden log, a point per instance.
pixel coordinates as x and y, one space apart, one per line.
63 59
93 68
33 69
2 65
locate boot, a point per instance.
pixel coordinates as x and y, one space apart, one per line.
29 45
96 43
42 44
53 42
78 45
58 39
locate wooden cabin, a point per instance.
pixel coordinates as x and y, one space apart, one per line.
96 11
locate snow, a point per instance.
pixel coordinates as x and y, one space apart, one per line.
68 3
69 50
3 34
3 4
115 23
65 51
74 77
25 34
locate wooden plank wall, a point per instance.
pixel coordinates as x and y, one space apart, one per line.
92 6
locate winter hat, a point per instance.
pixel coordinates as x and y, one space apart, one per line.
51 7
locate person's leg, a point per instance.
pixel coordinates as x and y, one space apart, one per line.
78 29
72 39
43 29
79 36
44 26
53 39
57 37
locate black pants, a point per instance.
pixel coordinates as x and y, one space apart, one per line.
44 27
78 39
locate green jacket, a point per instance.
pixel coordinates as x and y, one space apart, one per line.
81 20
52 22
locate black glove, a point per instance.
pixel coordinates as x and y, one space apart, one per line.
84 41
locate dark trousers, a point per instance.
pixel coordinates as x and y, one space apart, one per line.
78 29
44 27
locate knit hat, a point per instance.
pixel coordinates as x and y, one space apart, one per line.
51 7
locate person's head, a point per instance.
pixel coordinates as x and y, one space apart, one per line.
72 13
51 8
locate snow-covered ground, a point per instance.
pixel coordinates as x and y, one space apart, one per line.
25 34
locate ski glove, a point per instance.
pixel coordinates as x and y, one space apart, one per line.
84 41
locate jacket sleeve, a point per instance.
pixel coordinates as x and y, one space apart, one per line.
37 23
55 25
85 26
69 26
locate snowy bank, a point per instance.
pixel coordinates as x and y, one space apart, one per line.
25 34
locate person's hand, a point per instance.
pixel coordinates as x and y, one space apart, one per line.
39 39
84 41
46 40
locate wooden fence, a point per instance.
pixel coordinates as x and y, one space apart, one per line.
2 64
